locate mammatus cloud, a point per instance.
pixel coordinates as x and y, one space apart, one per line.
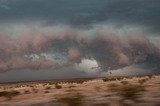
37 49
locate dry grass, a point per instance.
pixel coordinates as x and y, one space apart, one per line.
142 81
9 94
57 86
71 99
71 86
48 87
112 79
128 91
97 88
76 81
150 76
124 82
26 92
113 87
35 90
46 92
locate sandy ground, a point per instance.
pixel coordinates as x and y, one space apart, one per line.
131 91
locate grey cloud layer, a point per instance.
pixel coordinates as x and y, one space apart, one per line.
47 47
84 12
110 51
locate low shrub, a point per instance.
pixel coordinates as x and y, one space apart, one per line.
46 91
26 91
48 87
112 79
124 82
142 81
58 86
9 94
128 91
71 100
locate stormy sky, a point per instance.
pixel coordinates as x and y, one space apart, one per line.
56 39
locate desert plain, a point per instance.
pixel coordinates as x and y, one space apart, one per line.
108 91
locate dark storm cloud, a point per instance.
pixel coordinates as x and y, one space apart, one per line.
83 12
51 10
66 46
109 50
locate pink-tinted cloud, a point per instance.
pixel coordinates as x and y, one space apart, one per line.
109 49
74 55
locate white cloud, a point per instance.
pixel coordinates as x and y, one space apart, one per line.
87 66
